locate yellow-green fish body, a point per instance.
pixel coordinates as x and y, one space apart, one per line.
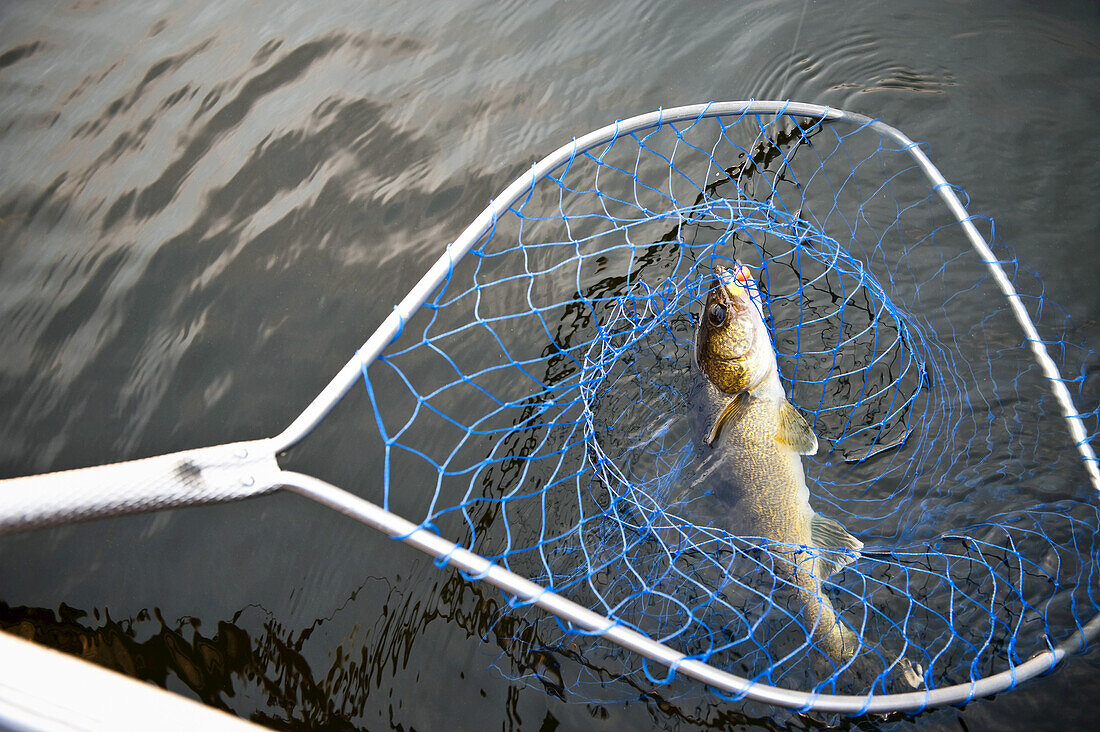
752 441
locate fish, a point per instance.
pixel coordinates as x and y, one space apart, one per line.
752 441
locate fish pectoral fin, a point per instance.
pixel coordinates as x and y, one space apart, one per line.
827 533
734 410
794 431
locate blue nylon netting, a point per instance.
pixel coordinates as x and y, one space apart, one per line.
535 410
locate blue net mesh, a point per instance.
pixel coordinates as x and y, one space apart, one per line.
537 411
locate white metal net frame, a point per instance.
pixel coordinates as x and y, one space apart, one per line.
245 469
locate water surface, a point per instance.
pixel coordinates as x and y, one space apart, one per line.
205 209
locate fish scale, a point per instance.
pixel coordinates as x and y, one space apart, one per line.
750 440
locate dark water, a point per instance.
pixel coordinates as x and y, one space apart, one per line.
204 211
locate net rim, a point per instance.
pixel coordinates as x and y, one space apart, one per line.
441 272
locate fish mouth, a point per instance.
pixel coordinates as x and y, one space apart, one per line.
734 286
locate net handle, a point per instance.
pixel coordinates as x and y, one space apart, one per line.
194 477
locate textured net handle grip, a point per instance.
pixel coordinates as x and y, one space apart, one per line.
206 475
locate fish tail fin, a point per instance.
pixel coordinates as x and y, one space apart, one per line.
909 674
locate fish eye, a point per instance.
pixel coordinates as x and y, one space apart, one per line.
717 314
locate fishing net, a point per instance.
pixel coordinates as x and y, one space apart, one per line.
537 411
531 414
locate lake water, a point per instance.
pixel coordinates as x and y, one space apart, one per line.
205 209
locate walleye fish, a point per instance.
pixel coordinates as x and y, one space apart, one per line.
752 441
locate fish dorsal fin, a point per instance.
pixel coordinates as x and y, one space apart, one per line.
734 410
843 548
794 432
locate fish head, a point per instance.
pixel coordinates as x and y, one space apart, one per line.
732 346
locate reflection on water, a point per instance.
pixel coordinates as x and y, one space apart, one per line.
252 658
